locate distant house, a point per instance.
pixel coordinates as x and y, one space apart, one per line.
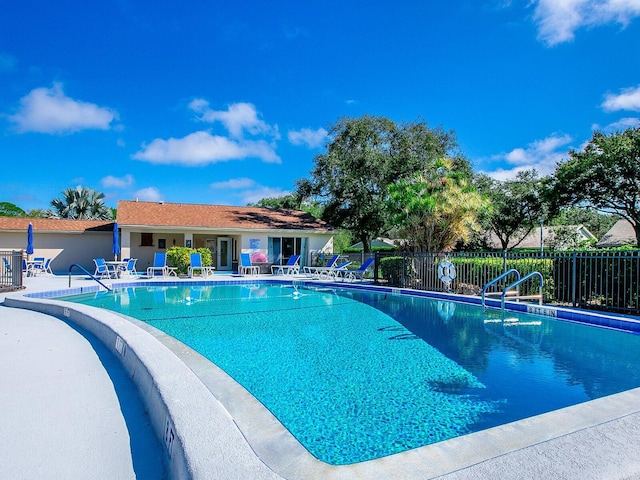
622 233
556 237
376 242
147 227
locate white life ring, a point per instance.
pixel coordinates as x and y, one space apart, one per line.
446 271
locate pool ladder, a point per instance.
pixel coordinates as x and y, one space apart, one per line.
90 275
513 290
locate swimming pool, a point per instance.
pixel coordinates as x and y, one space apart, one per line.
357 375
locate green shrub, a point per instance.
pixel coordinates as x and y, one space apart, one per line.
391 269
180 257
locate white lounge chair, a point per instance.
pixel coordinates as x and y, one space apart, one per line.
245 265
290 268
359 273
160 265
196 265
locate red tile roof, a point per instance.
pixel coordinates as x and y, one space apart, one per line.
54 224
132 213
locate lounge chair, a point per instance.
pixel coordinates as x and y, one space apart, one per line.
160 265
329 273
290 268
245 265
196 265
359 273
102 271
7 265
314 270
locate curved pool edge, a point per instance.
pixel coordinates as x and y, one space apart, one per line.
264 450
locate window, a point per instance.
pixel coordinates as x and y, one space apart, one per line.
162 243
146 239
281 248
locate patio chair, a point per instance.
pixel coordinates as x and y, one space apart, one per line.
245 265
311 270
46 269
130 267
102 271
159 265
333 272
7 265
290 268
359 273
196 265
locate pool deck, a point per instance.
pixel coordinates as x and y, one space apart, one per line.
70 411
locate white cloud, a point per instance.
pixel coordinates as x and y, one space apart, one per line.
310 138
558 20
149 194
49 110
201 148
622 124
541 155
628 99
237 119
260 192
234 184
248 190
115 182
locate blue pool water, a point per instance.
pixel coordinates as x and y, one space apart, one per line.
357 375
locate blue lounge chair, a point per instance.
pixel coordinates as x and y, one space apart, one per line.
245 265
159 265
196 265
7 265
290 268
351 275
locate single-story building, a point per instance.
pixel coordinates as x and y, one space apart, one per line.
622 233
270 236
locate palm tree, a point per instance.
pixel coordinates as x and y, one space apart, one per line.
80 203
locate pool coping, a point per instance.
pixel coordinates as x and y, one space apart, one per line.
273 445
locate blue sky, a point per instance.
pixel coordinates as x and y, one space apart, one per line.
229 102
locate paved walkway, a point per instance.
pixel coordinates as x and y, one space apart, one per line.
68 409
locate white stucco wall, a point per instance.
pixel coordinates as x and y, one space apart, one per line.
63 248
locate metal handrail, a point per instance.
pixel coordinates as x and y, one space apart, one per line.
496 280
83 269
523 279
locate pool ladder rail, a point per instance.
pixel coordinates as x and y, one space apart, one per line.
512 291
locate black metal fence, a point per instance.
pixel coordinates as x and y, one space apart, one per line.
11 269
596 280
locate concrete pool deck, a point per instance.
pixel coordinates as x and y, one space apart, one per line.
598 439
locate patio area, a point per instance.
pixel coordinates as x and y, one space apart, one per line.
109 435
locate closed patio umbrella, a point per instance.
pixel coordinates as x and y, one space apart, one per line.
30 239
115 249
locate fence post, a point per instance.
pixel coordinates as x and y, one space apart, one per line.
573 277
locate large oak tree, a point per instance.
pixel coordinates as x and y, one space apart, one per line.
605 175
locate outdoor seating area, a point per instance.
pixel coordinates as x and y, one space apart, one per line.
115 268
36 266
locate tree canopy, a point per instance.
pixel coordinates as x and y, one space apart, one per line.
605 175
516 206
80 203
363 157
435 208
10 210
